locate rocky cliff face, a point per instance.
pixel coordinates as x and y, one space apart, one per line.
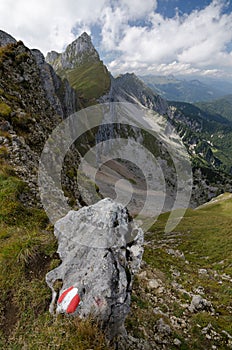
77 53
33 100
101 250
59 93
130 88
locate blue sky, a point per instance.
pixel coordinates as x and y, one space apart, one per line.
188 38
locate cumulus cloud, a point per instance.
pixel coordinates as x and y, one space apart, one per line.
184 44
47 25
139 38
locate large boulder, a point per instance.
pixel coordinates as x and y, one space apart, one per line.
101 250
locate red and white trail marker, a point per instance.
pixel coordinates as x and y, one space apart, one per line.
68 301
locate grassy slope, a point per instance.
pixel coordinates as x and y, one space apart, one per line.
205 238
90 80
27 253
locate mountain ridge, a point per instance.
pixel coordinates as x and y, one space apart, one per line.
176 89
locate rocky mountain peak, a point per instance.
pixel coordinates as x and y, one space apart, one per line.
78 52
85 36
129 87
6 38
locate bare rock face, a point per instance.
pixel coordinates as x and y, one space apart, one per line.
60 94
79 51
101 250
6 38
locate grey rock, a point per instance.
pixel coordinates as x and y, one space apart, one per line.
6 38
199 290
60 94
177 342
154 284
176 253
206 329
200 304
162 327
78 52
132 343
101 250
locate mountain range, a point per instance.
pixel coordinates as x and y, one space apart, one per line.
177 89
200 130
181 297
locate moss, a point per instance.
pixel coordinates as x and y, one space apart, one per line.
5 110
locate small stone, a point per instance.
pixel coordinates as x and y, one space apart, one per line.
177 342
206 329
153 284
160 290
199 290
163 327
176 273
176 253
142 274
200 304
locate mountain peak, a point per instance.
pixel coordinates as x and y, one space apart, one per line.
81 50
85 36
80 64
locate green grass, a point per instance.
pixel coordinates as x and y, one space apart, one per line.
205 237
90 80
27 253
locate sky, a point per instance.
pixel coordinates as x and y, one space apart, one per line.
160 37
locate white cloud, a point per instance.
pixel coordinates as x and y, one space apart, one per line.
47 25
195 42
184 44
138 9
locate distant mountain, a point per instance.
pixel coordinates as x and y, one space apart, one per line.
203 134
222 107
81 66
175 89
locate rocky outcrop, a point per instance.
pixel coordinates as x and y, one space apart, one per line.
60 94
101 249
6 38
128 87
33 102
78 52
